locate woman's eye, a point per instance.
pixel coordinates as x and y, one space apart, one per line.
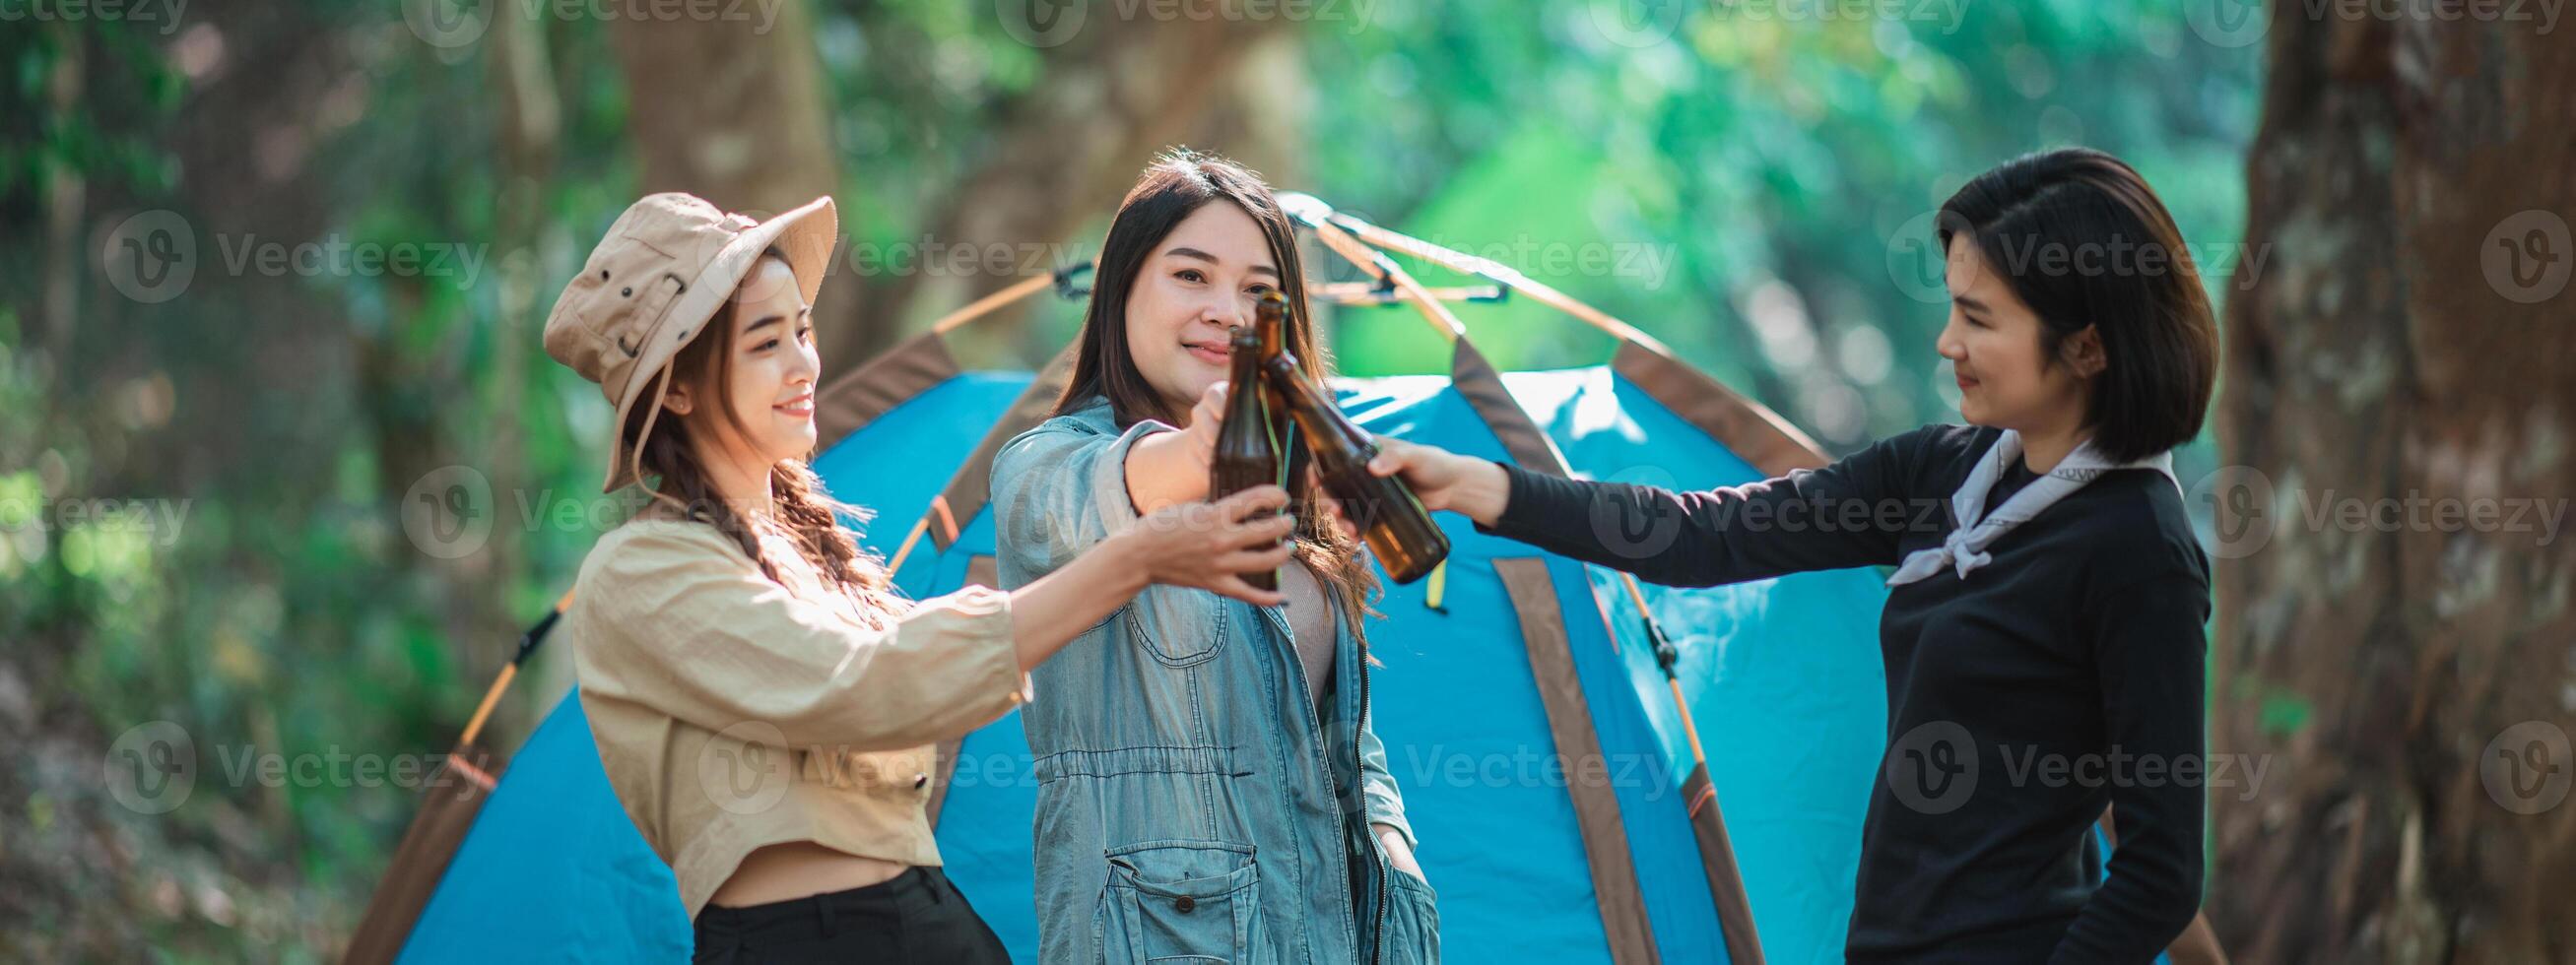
766 346
1189 275
1257 291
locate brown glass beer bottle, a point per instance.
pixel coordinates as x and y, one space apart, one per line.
1270 321
1247 455
1382 508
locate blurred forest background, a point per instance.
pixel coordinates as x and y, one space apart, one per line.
1750 185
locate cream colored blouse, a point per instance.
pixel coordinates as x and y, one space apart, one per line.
733 711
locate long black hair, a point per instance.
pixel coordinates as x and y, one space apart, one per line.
1171 189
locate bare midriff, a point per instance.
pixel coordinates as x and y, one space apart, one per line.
796 869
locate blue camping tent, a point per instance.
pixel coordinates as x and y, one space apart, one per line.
1562 754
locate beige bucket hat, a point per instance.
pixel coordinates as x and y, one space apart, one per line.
664 269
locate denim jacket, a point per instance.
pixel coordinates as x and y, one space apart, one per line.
1191 805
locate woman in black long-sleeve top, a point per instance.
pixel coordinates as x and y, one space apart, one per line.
2043 634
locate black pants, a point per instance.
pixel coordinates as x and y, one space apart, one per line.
916 916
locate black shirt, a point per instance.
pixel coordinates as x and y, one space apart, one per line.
2063 676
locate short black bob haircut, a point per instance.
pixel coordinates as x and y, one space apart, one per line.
2079 236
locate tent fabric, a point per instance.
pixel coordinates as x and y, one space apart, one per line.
1525 852
553 870
447 811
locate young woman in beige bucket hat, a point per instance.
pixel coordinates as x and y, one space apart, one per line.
765 704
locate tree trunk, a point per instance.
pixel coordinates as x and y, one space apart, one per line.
1062 155
736 114
2410 336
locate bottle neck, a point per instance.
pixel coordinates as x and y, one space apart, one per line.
1318 414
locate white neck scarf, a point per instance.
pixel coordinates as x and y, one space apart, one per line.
1965 547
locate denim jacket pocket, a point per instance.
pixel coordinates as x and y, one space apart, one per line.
1411 935
1180 901
1180 626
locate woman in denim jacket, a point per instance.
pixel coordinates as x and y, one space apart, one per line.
1208 787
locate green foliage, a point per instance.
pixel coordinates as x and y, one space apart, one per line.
1772 160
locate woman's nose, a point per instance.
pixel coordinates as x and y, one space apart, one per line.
806 366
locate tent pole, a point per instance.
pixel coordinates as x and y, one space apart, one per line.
895 565
1315 214
986 305
1363 294
528 642
1466 264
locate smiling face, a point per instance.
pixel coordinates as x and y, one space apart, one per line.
768 367
1995 342
1201 281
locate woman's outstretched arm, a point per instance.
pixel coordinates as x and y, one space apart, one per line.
1203 545
1847 514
